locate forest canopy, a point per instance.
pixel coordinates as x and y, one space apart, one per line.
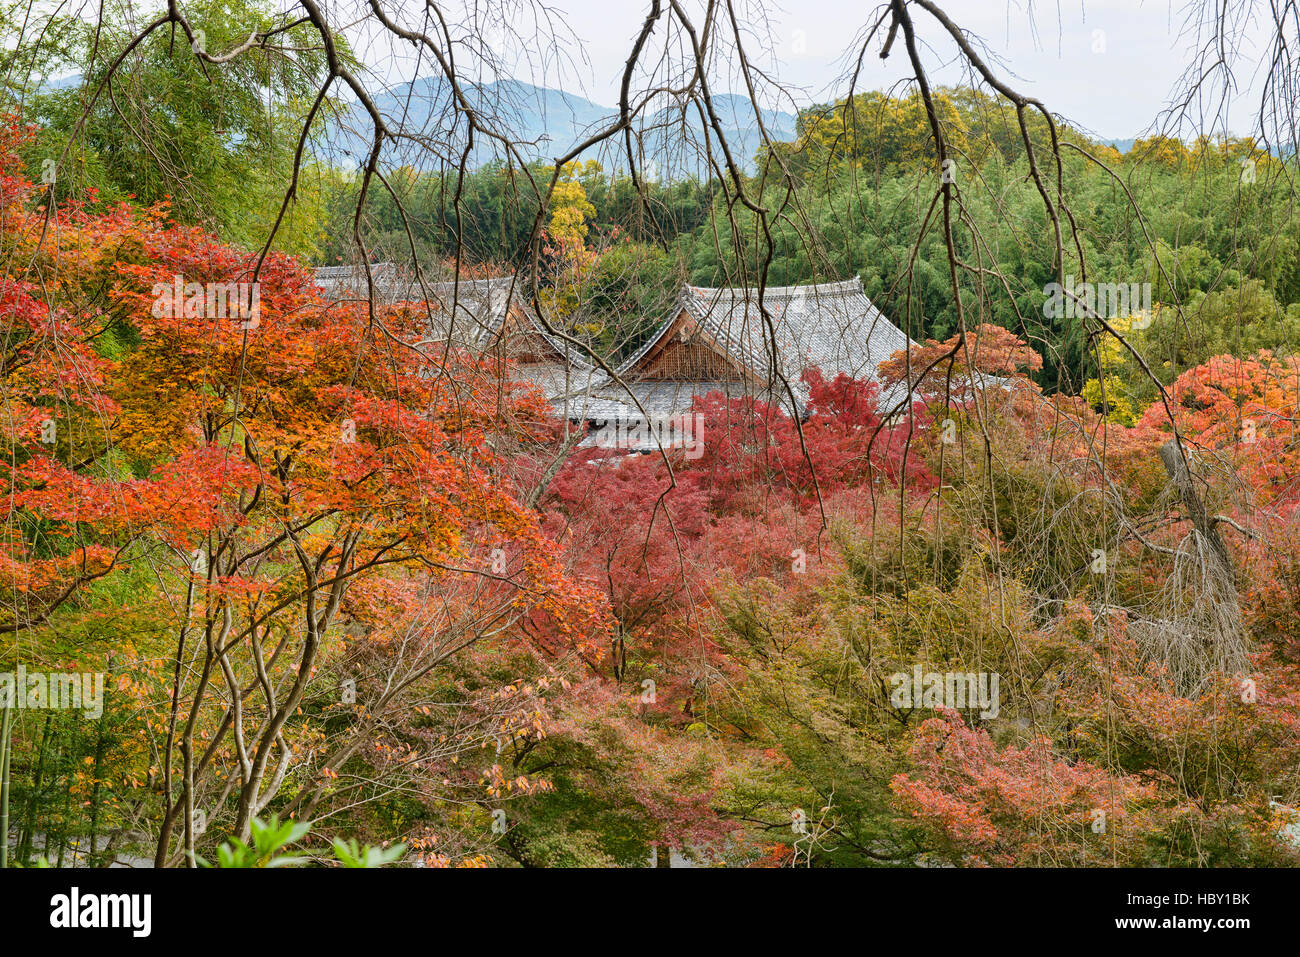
357 590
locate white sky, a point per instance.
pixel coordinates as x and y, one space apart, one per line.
1109 66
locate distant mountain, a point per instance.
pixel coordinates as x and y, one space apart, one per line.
1122 145
545 123
69 82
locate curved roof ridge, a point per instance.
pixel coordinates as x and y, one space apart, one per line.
834 287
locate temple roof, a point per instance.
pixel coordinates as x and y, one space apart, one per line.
479 307
831 326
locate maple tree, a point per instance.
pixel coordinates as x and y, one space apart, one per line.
265 464
340 573
1242 409
1009 806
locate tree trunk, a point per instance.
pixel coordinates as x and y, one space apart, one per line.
1176 464
6 731
1209 608
92 860
29 823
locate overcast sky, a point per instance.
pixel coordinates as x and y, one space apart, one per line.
1107 65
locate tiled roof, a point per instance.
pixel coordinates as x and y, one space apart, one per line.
470 311
392 282
479 306
660 398
571 387
831 326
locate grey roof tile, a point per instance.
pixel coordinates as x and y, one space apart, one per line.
831 326
479 306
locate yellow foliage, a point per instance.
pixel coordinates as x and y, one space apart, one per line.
570 208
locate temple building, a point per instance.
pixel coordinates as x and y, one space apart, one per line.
491 316
715 340
718 340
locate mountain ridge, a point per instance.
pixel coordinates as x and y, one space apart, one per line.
544 122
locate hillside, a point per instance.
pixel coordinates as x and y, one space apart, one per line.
544 123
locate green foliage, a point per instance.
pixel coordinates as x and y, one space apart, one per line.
866 173
217 141
271 839
350 854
